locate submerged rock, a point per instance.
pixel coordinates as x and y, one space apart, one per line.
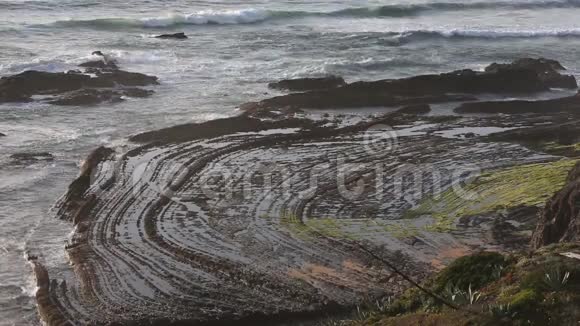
308 84
2 135
560 218
32 157
179 36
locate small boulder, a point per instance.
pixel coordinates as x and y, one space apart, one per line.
178 36
308 84
2 135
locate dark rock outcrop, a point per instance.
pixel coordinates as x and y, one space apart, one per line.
308 84
564 104
561 133
122 78
88 96
215 128
2 135
179 36
94 96
547 70
523 77
100 64
75 196
560 218
75 87
48 311
343 97
416 109
32 82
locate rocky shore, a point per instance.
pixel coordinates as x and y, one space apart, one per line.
284 212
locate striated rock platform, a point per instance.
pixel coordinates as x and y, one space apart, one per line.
248 221
263 222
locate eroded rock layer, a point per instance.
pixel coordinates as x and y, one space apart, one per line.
264 222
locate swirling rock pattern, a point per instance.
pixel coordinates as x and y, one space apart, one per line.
246 225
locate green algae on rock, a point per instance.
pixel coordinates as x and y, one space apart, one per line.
519 186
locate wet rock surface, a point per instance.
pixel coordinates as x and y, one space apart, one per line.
33 157
564 104
157 232
101 81
308 84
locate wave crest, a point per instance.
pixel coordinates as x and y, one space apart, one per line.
206 17
406 10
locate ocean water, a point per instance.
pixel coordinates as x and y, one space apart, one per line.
234 49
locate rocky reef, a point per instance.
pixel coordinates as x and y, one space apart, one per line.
260 220
522 76
99 82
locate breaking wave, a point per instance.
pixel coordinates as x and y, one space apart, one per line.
253 15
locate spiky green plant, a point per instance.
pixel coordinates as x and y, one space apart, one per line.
556 280
502 311
461 297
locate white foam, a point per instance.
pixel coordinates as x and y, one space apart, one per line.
39 64
488 33
225 17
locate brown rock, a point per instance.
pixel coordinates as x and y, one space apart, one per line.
560 218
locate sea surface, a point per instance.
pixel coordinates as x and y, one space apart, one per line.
234 49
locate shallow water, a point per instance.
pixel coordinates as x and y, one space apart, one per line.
234 49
